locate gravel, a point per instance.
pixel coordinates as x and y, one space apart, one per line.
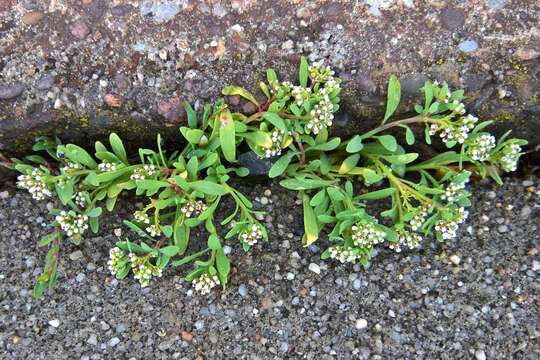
284 302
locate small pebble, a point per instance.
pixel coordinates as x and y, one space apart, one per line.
480 355
361 324
315 268
114 341
54 323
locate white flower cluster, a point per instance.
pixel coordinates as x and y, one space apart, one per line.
34 184
300 95
458 131
251 234
275 148
80 198
320 73
193 208
143 173
509 161
448 228
419 218
205 283
408 239
481 146
72 223
69 165
366 235
277 87
154 230
116 255
107 166
141 216
453 191
322 115
342 254
143 270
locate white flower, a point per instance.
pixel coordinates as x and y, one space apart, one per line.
193 208
251 234
448 228
141 216
107 166
419 218
154 230
300 95
143 173
453 191
35 184
322 116
143 269
72 224
205 283
80 199
367 235
481 146
408 239
509 161
342 254
70 166
275 148
115 256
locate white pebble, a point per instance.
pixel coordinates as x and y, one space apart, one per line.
361 324
315 268
54 323
455 259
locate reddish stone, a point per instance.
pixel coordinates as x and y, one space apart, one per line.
171 109
79 29
113 100
32 17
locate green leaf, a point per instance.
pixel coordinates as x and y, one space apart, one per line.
193 136
335 194
169 251
79 155
311 228
192 167
189 258
181 237
95 212
65 192
227 136
394 95
94 224
209 187
409 135
304 184
318 198
191 115
223 267
275 120
47 239
281 165
167 230
355 144
428 94
151 185
92 179
349 163
401 159
271 76
232 90
304 72
388 141
118 147
328 146
375 195
213 242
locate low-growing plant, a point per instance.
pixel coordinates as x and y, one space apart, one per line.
335 179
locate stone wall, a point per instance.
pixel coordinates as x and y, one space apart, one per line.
81 68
